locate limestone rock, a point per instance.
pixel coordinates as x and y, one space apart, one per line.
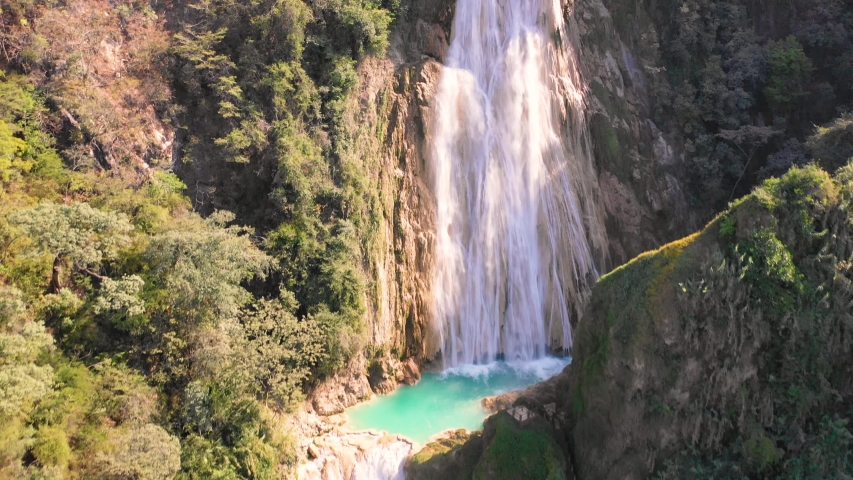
408 372
401 102
343 390
346 455
641 172
537 396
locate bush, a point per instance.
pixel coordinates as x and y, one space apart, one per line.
790 73
144 453
51 448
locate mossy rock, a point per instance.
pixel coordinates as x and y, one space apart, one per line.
505 450
732 342
451 457
516 451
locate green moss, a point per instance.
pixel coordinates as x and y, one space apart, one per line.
514 452
452 457
440 447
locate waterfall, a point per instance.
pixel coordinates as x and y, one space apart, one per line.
518 230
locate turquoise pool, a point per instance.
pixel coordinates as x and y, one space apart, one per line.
448 400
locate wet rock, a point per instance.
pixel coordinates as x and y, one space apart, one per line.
409 373
536 397
387 373
382 377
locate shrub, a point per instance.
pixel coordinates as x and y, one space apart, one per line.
51 448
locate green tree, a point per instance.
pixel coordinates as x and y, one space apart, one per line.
77 234
790 74
278 351
119 299
23 378
201 270
144 453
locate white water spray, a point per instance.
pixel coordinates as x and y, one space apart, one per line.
517 222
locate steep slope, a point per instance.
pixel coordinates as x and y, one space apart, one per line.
725 354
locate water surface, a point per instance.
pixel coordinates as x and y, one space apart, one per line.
448 400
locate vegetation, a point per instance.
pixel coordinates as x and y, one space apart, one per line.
188 225
745 85
515 452
744 334
505 449
152 330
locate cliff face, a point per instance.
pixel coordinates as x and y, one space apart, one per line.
731 344
640 167
638 170
399 104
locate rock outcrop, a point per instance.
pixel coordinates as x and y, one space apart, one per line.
345 389
725 351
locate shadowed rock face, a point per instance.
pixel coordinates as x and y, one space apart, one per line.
640 168
705 350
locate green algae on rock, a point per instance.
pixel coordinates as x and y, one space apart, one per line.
507 448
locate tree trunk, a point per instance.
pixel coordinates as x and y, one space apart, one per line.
55 278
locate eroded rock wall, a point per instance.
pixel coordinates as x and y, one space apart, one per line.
640 167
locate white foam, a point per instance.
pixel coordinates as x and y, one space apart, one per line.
541 368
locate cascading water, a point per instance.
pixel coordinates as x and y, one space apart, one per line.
517 224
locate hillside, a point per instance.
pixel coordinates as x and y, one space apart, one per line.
218 217
725 354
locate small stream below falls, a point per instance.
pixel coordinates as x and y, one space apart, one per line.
448 400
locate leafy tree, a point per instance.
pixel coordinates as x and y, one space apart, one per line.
23 378
144 453
790 73
75 233
278 351
202 270
120 300
51 448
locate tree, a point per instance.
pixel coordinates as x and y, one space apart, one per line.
144 453
119 299
23 380
832 145
748 139
201 270
790 73
278 351
75 233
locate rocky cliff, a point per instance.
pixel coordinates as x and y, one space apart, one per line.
725 352
640 167
639 171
